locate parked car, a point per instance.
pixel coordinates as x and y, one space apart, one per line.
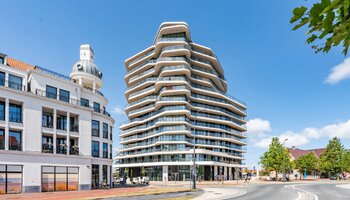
141 180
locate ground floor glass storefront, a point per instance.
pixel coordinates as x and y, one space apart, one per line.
59 178
183 172
10 179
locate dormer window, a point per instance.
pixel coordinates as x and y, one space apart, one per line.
2 60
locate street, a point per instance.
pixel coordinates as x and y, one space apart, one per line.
308 191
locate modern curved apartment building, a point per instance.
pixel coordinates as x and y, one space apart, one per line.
55 132
176 92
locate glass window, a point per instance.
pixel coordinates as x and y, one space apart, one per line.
95 176
110 133
47 120
95 149
84 102
48 182
96 107
10 179
110 151
15 141
61 146
73 181
2 111
15 113
59 178
15 82
2 183
61 122
105 150
47 144
105 130
104 172
51 92
64 95
2 139
2 61
2 78
95 128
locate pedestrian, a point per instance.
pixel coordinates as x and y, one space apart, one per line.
296 176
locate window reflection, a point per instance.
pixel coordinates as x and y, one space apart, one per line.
10 179
59 178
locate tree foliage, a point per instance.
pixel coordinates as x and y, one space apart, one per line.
306 162
332 159
276 158
328 23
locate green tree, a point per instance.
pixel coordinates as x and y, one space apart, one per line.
306 162
331 160
328 23
345 161
276 158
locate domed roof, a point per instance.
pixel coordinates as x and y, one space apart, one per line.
87 66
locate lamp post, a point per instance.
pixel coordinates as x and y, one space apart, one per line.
194 168
283 163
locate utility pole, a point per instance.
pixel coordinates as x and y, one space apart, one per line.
283 163
194 168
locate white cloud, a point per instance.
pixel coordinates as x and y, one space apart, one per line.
258 126
339 72
117 110
264 143
340 130
294 139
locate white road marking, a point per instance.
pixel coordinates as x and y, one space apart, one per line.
307 192
341 196
299 196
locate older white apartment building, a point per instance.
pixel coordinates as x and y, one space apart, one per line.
177 99
55 132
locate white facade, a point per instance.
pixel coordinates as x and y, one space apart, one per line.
177 99
55 129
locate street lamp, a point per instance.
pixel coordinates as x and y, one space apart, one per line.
194 168
283 167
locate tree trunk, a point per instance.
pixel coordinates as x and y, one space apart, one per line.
276 175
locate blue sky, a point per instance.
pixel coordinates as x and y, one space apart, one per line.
266 64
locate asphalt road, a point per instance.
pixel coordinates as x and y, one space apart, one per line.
309 191
268 192
326 191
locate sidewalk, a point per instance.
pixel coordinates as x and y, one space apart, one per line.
92 194
220 193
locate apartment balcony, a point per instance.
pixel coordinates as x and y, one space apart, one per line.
61 149
74 150
173 39
74 128
47 148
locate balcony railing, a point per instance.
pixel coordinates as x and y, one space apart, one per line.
47 148
173 39
72 101
61 149
74 128
74 150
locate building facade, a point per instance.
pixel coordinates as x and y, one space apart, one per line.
55 133
176 94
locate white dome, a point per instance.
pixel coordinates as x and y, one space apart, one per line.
87 66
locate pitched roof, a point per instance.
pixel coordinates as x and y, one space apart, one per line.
297 153
19 64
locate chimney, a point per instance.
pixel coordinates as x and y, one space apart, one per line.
86 52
